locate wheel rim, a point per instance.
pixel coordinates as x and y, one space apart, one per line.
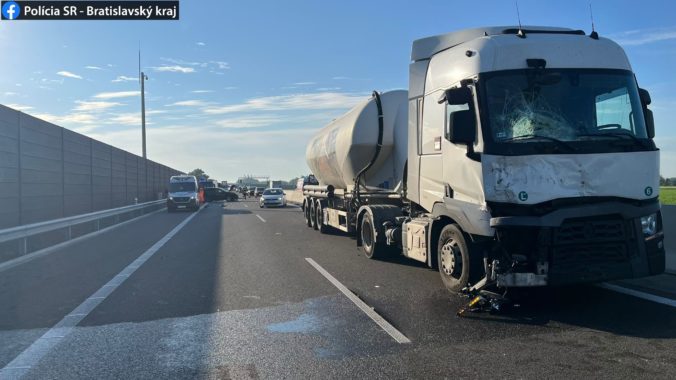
451 259
313 216
367 233
320 217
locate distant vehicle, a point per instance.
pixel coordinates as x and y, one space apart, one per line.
218 194
182 193
274 184
259 191
272 198
308 180
252 191
207 183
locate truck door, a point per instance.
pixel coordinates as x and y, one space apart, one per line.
461 175
431 185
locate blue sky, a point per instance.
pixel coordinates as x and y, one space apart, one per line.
238 87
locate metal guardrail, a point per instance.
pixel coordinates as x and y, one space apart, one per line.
26 231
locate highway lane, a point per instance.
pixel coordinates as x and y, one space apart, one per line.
36 295
232 296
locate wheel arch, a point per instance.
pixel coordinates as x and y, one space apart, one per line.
476 240
438 224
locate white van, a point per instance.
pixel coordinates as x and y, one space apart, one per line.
183 193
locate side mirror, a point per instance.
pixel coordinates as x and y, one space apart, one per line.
645 97
462 127
457 96
649 122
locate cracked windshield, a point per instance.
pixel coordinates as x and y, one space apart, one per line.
337 190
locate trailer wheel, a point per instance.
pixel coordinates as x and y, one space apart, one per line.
372 248
453 257
313 215
306 212
319 218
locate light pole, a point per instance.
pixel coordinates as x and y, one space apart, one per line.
143 112
143 131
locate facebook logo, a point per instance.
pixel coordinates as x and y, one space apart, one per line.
11 10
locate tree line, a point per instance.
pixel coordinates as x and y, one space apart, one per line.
667 181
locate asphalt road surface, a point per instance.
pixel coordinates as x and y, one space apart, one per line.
228 293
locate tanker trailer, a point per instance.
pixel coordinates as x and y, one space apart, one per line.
518 157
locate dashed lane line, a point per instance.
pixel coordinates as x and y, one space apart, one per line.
377 318
639 294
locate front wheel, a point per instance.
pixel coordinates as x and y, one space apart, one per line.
454 259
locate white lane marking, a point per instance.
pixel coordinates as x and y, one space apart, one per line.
46 251
394 333
259 217
247 206
32 355
638 294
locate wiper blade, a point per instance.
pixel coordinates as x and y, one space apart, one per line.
618 135
558 142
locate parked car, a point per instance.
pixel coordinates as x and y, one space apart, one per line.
272 197
218 194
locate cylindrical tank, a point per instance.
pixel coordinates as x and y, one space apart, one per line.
340 150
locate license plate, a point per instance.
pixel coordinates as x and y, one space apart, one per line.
180 206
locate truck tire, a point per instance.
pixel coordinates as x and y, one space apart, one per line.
306 212
313 215
454 259
372 248
319 217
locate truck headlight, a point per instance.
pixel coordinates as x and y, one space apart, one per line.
171 198
192 198
649 224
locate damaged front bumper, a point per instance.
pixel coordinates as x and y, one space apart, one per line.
573 245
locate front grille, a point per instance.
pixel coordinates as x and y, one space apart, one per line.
591 250
575 231
181 199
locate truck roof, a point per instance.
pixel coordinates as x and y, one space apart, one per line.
425 48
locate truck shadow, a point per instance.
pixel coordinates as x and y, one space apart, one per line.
227 209
280 209
588 306
235 212
396 258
